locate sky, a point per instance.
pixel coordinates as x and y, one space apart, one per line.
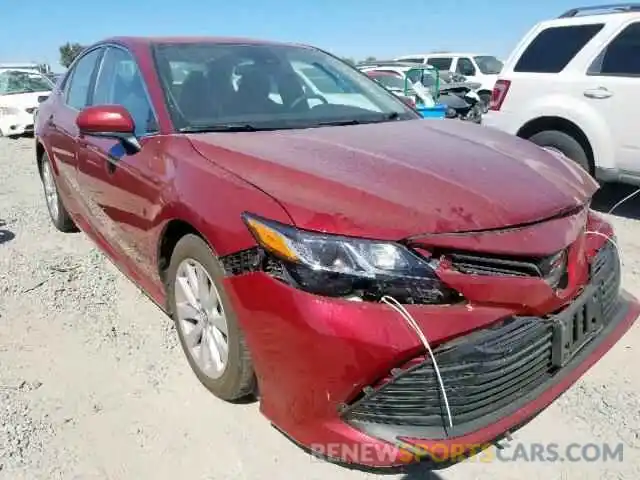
33 30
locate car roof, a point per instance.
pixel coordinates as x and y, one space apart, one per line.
131 41
446 54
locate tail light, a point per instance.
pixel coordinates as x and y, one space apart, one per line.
500 90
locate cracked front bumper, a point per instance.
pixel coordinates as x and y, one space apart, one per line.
339 373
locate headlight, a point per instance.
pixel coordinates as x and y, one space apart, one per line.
343 266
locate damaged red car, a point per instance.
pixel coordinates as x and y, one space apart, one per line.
373 277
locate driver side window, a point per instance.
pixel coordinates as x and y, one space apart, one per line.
120 82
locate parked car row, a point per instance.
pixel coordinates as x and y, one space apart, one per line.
453 91
373 277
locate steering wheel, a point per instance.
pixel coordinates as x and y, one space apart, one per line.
306 96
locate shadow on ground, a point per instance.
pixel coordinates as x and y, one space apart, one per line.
5 235
421 473
610 194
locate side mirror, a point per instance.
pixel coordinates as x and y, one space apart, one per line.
109 121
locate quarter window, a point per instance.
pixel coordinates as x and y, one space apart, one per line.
465 67
553 48
441 63
120 82
78 87
622 56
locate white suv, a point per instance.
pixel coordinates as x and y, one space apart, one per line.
478 68
573 85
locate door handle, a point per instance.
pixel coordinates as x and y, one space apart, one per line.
598 93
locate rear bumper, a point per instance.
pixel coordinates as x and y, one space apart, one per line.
501 120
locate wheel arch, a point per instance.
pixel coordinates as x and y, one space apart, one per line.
169 237
40 151
561 124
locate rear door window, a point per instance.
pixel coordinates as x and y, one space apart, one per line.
441 63
621 58
78 88
465 67
553 48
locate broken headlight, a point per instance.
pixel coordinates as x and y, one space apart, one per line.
333 265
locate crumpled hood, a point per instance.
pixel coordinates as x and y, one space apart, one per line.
396 179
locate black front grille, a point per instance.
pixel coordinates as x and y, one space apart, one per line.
607 275
484 373
551 267
479 375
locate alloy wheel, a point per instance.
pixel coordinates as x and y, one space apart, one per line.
50 191
201 318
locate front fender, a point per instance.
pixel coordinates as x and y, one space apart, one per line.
212 201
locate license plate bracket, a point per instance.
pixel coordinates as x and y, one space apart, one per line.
576 326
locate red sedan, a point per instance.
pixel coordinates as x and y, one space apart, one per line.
382 280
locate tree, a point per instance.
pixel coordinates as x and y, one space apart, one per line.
68 53
370 59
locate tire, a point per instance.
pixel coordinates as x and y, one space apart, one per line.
565 144
57 212
237 379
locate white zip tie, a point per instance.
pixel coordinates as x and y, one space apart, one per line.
397 306
610 240
628 197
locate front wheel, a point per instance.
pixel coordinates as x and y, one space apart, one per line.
206 323
58 213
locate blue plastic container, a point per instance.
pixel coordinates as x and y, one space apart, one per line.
437 111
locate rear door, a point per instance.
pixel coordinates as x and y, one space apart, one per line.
62 131
613 87
543 77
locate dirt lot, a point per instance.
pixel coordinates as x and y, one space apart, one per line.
94 386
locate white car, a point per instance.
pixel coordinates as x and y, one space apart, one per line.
572 85
20 91
476 67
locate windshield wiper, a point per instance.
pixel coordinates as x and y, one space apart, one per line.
354 121
223 127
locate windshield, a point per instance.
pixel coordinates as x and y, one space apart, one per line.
220 86
16 81
392 82
488 65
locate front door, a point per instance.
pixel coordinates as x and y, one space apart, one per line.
62 130
117 187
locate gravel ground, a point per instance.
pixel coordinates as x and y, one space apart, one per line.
94 386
